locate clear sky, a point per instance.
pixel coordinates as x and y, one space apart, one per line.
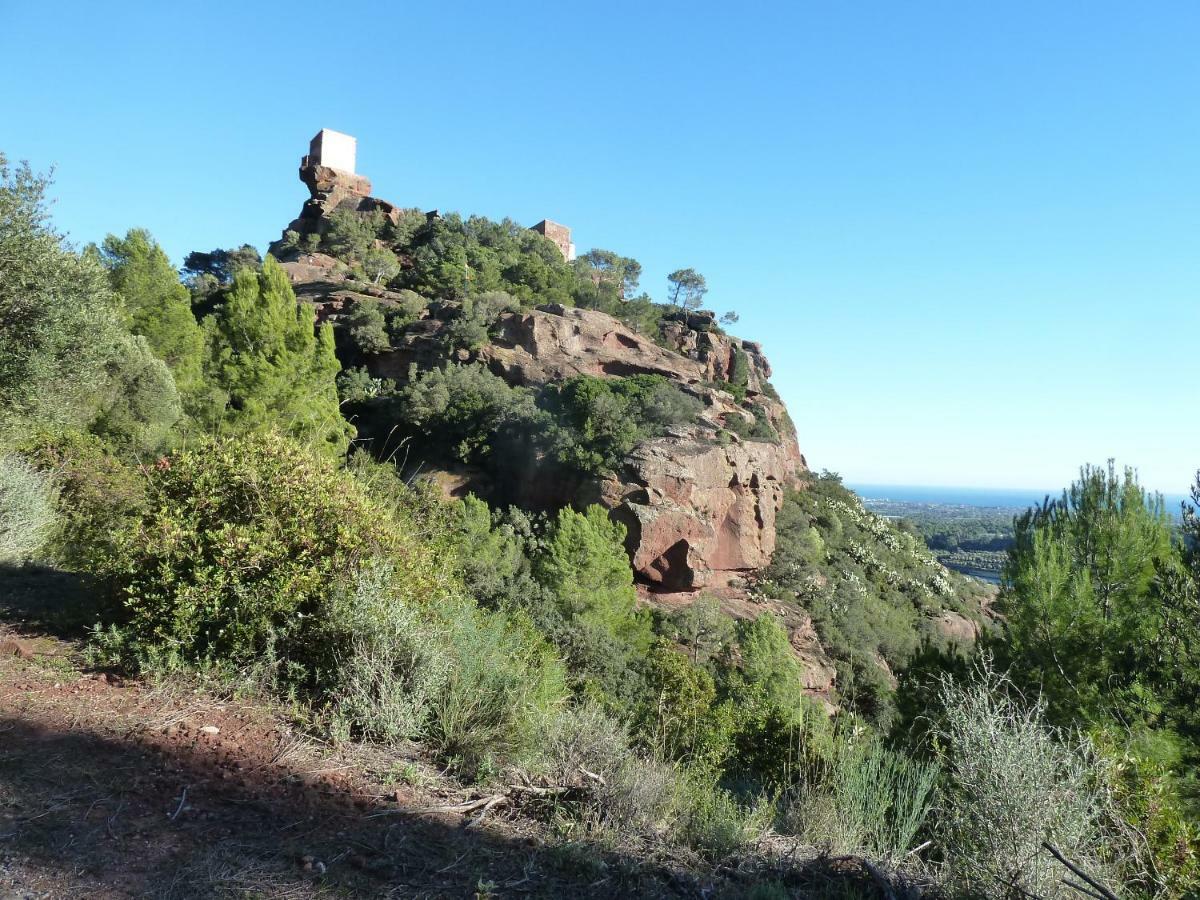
965 232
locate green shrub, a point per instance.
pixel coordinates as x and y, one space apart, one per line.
99 496
391 664
599 420
1013 782
760 429
702 628
583 737
585 566
140 404
503 680
1143 771
368 327
862 798
463 412
571 577
715 822
679 719
640 799
240 552
474 685
739 375
470 329
269 366
26 509
356 385
768 660
403 310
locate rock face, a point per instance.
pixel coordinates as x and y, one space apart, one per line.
699 503
331 190
700 514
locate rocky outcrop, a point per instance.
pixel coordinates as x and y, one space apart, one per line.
331 190
700 513
699 503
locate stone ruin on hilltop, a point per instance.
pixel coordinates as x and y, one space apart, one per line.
327 170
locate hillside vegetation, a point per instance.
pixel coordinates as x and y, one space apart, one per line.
181 494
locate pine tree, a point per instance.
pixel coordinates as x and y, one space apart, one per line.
271 368
158 305
586 567
1080 600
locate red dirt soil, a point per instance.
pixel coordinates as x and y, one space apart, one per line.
114 789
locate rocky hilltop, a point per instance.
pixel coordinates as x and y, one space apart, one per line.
699 502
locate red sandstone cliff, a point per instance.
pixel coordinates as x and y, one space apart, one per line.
699 503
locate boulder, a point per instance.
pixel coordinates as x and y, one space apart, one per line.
699 513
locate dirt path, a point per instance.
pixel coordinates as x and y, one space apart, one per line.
112 789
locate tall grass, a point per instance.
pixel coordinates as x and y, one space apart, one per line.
861 797
473 685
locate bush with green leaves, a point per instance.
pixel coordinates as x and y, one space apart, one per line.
857 796
471 326
679 718
357 385
351 235
239 554
584 425
739 374
391 665
474 685
599 420
452 258
367 326
570 576
27 499
140 406
715 822
504 680
99 495
464 413
702 629
585 567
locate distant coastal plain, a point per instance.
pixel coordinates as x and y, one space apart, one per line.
992 498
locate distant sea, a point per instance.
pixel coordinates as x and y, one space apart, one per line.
970 496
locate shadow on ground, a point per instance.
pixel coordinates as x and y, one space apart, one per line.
86 815
47 600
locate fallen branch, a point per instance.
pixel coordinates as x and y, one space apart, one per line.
1086 891
467 807
534 790
915 850
599 779
1092 882
493 801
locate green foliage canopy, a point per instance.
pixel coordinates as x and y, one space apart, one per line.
270 367
66 356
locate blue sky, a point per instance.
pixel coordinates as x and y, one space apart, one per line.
966 233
